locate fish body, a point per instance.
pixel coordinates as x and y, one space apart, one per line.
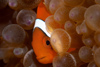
42 47
41 38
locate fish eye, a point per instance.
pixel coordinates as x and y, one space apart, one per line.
47 42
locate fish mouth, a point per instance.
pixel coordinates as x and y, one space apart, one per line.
40 58
45 59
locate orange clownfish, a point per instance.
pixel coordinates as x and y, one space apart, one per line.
41 38
41 42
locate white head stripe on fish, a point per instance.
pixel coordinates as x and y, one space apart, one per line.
41 24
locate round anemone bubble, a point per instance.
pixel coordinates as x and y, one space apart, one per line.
92 17
60 41
14 34
67 60
23 4
26 18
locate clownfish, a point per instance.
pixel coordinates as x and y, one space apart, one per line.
41 38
